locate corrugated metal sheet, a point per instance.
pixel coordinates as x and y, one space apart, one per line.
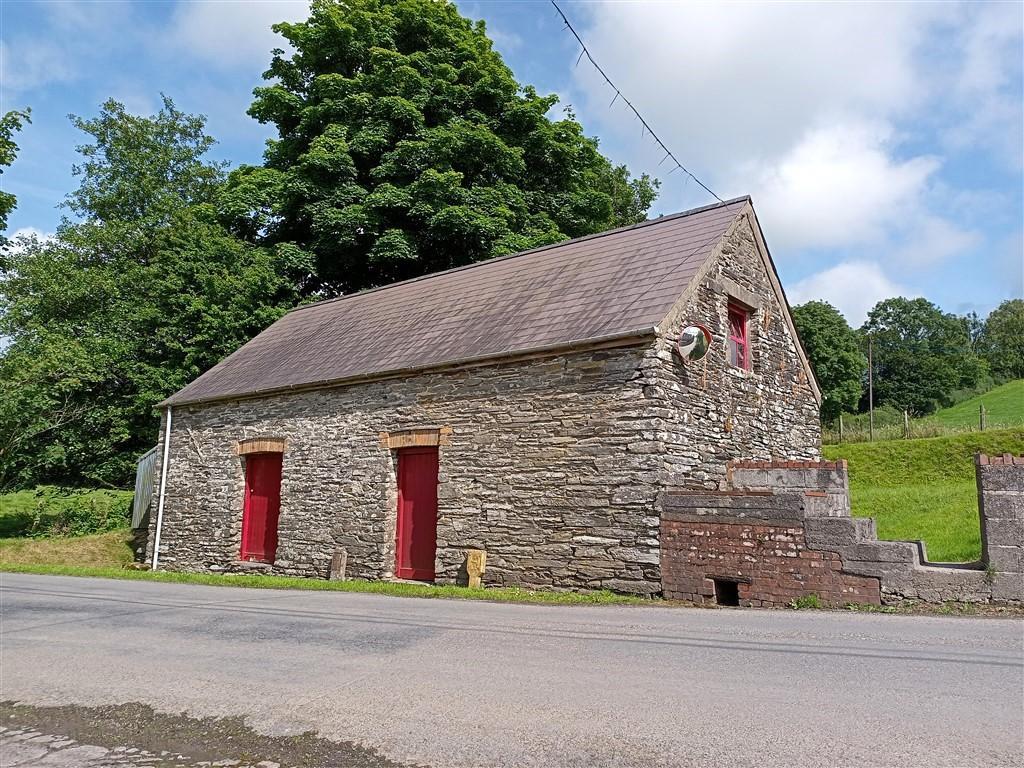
144 472
600 286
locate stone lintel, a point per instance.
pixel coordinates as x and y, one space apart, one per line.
419 437
260 445
735 291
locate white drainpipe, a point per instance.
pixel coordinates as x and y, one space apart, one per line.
163 487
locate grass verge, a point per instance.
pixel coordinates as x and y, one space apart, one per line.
394 589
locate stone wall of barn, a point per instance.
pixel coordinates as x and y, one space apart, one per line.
711 412
551 467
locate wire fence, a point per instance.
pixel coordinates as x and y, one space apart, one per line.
891 424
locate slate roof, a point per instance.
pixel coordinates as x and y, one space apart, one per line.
613 284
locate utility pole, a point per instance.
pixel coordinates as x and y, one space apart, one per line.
871 393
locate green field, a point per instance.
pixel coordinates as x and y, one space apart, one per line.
924 489
1004 406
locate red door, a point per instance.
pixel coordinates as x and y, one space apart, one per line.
262 504
416 539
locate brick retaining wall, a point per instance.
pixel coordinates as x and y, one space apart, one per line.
782 530
757 541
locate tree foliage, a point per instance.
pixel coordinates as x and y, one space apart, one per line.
406 146
10 124
835 353
1001 340
125 306
921 355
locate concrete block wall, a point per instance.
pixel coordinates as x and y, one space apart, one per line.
1001 504
825 484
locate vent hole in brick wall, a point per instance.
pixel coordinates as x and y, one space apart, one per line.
727 592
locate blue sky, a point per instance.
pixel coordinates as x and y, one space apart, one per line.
882 143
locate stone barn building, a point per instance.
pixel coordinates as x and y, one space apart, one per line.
533 406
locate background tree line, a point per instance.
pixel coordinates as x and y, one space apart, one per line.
404 145
923 358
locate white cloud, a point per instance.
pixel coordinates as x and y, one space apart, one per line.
504 40
1008 266
931 239
31 233
234 34
834 116
986 89
837 187
749 80
68 34
853 287
27 64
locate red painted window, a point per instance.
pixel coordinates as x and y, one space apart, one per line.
739 344
262 505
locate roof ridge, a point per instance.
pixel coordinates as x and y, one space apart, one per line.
538 249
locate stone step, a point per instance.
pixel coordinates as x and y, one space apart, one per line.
825 532
882 552
866 530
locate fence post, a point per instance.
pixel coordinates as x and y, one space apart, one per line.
981 416
840 427
906 425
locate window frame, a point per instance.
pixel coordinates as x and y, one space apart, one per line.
742 342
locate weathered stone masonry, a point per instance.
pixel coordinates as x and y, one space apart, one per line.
552 465
545 469
713 413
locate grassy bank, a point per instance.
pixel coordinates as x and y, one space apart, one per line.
1004 407
103 550
39 511
924 489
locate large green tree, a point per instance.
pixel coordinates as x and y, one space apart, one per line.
1001 341
10 124
835 353
405 146
921 355
126 305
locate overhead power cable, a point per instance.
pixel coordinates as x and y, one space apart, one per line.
619 95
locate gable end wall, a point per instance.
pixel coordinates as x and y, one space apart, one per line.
712 413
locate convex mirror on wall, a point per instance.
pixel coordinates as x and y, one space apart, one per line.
694 343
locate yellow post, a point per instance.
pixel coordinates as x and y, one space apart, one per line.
476 564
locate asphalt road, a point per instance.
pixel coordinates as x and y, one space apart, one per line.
451 683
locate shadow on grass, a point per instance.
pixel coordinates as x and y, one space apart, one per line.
17 525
